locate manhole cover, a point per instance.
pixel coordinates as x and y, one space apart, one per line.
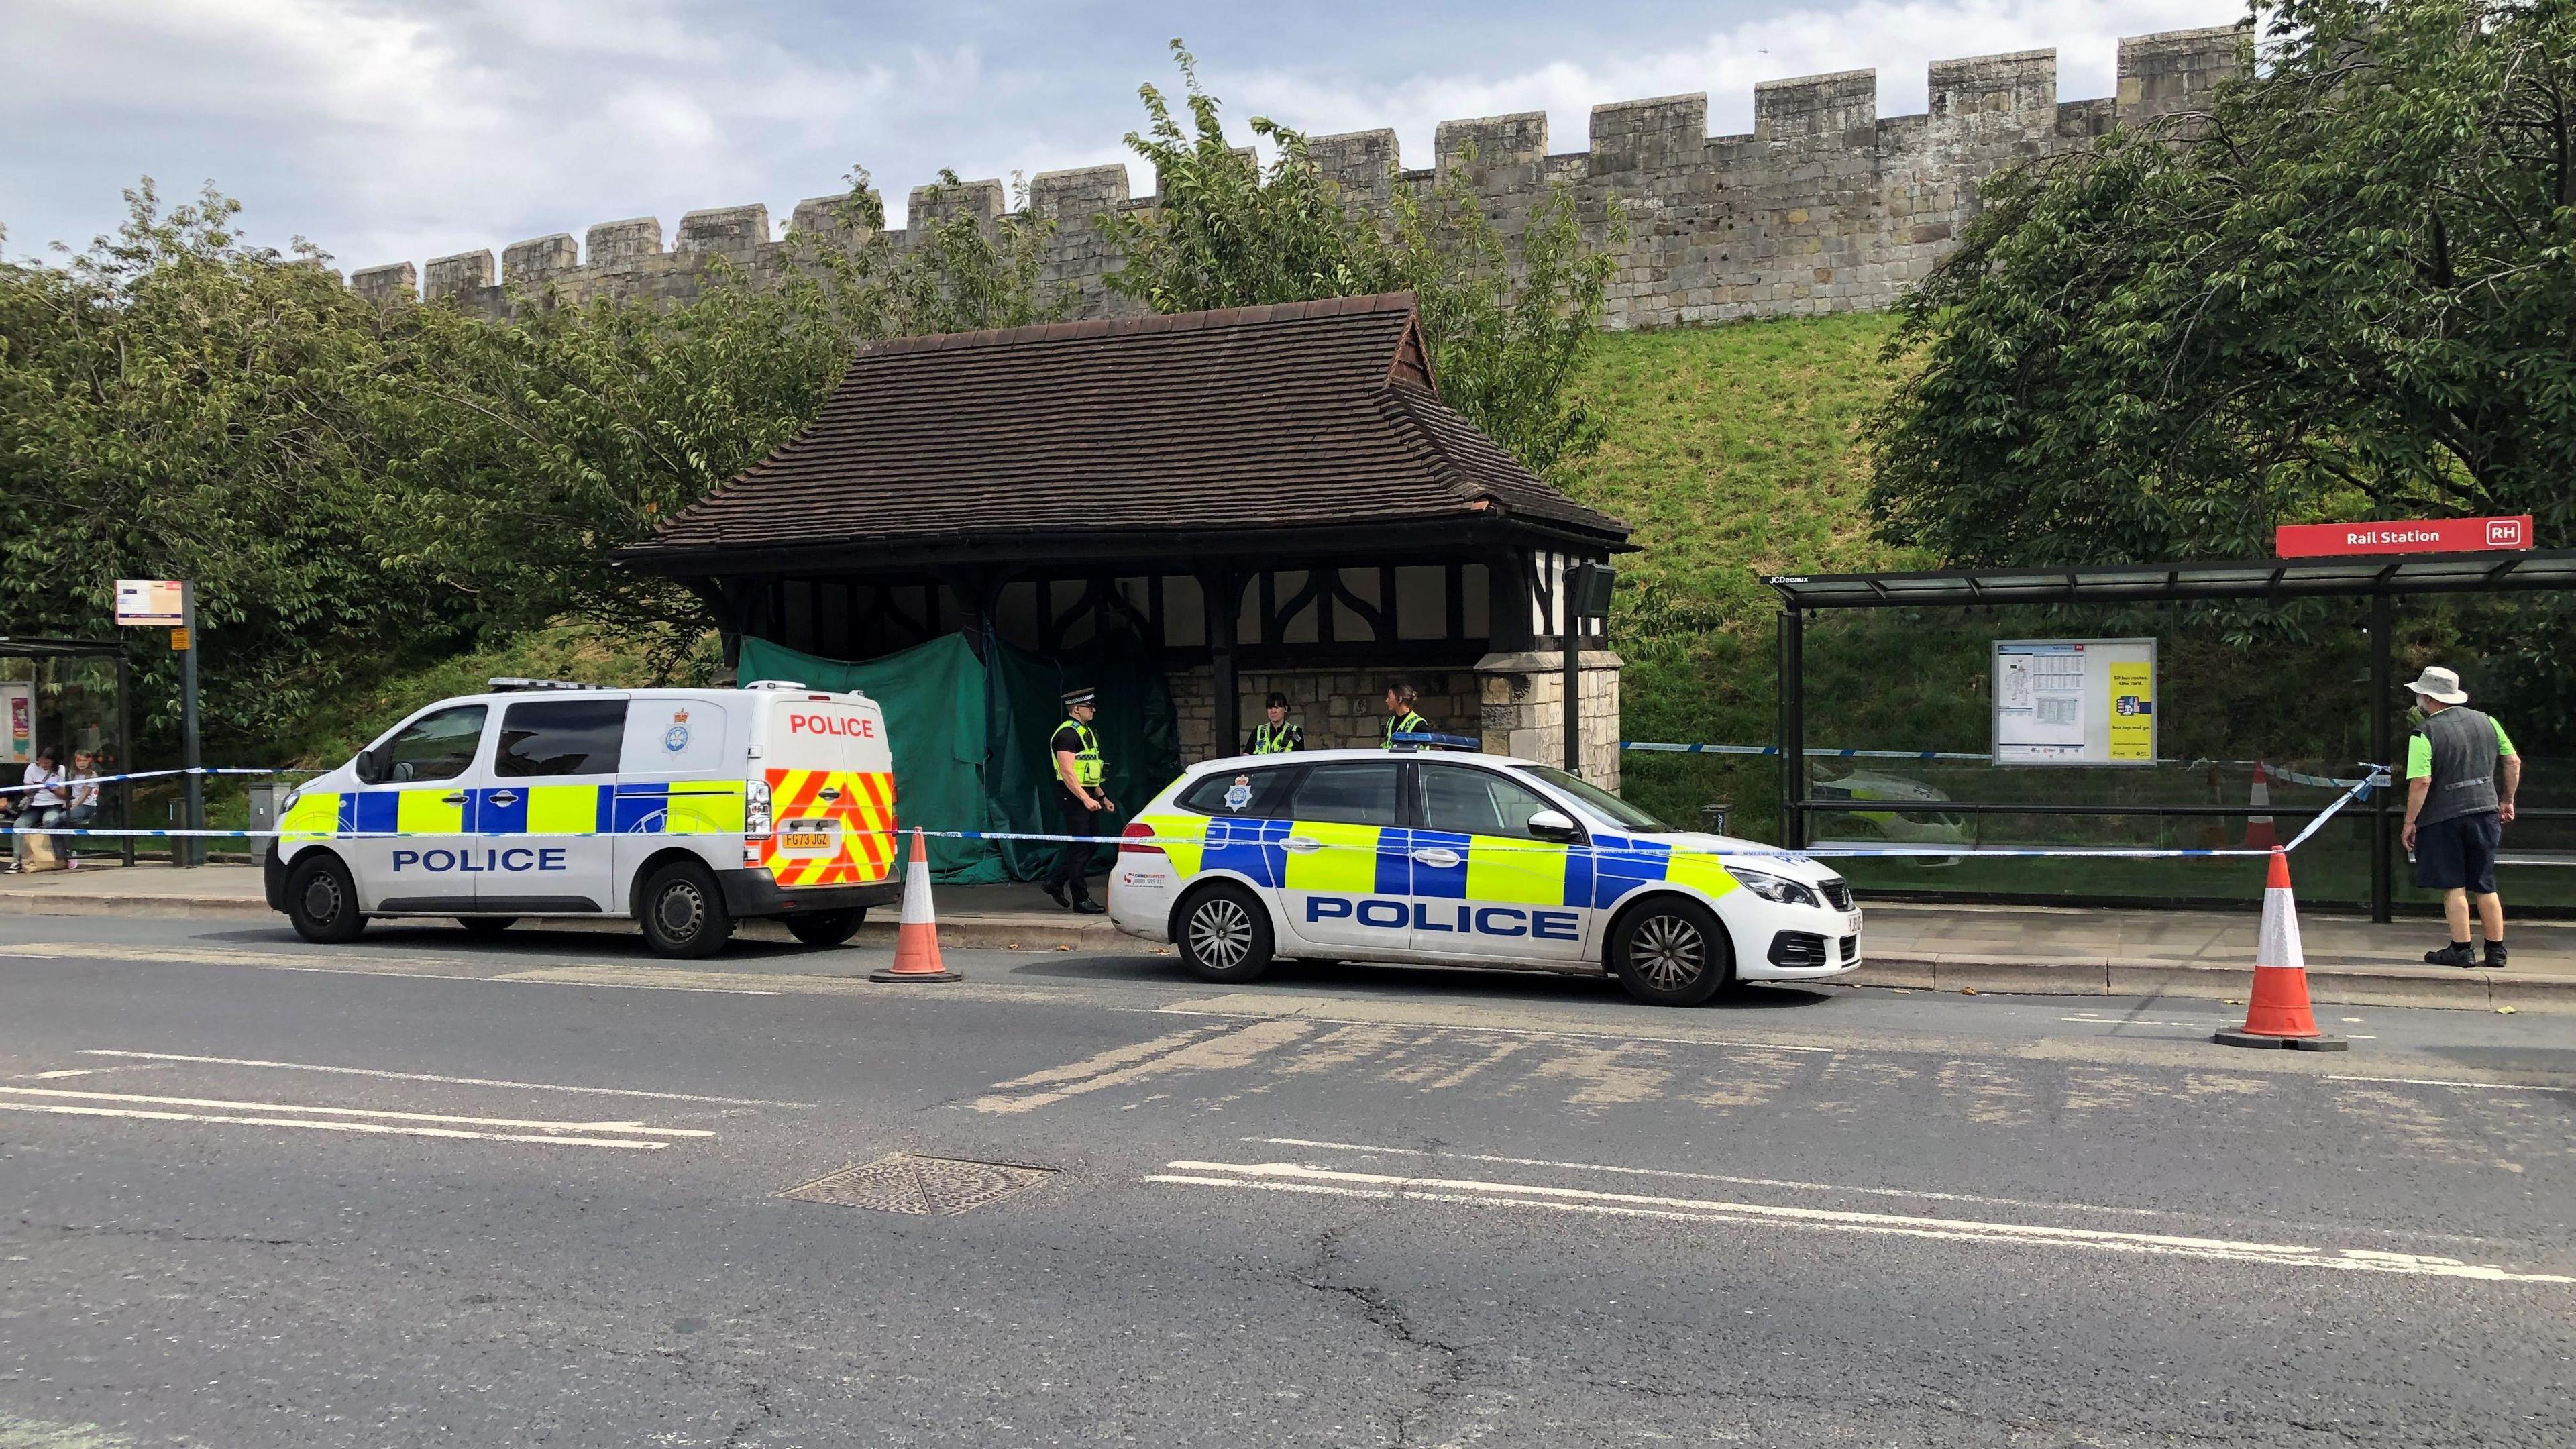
903 1182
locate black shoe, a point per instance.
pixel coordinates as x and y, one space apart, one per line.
1055 893
2455 954
1088 906
2495 955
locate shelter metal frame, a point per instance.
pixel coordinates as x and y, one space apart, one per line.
2379 578
29 646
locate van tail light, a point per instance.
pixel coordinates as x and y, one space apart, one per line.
755 808
1134 840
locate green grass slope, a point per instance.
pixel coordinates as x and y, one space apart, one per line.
1734 452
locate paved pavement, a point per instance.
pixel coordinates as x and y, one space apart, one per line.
414 1191
2081 951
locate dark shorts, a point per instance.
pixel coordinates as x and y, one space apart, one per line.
2459 853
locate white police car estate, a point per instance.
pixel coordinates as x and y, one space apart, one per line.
1464 859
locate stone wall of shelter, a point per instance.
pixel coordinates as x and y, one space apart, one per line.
1825 207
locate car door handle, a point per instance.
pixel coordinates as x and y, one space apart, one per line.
454 798
505 797
1301 844
828 793
1439 857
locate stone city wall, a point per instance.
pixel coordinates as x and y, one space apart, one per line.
1825 207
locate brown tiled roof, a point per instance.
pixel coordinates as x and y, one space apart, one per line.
1306 414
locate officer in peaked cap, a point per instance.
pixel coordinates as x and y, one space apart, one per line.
1081 804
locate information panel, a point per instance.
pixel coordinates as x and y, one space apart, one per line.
2075 701
17 721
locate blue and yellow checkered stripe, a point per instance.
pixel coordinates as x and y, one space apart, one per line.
686 807
1378 860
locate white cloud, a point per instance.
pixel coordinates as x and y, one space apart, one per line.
393 129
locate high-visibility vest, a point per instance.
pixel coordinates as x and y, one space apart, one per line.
1086 761
1266 742
1407 723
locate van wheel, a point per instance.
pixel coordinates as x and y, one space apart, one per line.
1225 935
826 928
1669 951
486 925
322 901
683 913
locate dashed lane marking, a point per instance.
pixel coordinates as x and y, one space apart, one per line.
633 1128
1904 1192
1298 1178
385 1129
433 1077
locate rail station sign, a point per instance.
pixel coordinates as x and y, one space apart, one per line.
2408 535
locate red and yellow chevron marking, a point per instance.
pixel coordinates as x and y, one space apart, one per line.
864 809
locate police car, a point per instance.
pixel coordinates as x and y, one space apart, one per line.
688 809
1464 859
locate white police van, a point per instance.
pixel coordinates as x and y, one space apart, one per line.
688 809
1465 859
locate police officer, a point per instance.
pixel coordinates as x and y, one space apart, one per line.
1401 696
2461 775
1275 735
1082 805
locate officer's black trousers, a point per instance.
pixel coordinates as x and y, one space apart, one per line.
1073 858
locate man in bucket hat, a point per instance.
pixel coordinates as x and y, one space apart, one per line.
2461 774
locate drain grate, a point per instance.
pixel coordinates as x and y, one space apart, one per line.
904 1182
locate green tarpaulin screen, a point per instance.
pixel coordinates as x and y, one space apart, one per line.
970 739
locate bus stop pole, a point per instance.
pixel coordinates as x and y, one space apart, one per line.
123 762
2383 742
1793 727
192 850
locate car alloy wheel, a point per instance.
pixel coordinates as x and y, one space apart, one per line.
1669 952
1221 933
323 901
681 910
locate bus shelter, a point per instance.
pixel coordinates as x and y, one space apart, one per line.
48 658
2375 583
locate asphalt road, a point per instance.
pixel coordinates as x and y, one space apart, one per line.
411 1191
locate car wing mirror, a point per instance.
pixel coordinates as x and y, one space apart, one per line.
1552 825
367 767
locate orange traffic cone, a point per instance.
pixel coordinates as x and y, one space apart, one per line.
2259 834
2277 1013
916 940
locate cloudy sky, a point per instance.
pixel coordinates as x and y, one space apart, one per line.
391 130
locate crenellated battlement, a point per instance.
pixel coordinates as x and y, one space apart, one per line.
1827 206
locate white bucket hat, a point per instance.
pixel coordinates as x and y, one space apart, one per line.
2441 684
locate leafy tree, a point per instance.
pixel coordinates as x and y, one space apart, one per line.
175 403
2347 289
1506 323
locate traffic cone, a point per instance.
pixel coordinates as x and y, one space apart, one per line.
2259 834
916 940
2277 1013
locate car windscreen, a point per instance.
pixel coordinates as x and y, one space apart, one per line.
1599 801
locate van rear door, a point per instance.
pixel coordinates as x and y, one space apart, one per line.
830 778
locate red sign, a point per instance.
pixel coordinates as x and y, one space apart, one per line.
2413 535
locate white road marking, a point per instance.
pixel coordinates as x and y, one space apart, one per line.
1529 1031
376 1128
293 1107
2473 1086
430 1077
2140 1021
1296 1177
1710 1177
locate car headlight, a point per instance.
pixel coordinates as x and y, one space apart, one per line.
1774 888
755 808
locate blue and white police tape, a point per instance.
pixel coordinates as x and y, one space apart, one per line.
1648 850
2281 773
85 781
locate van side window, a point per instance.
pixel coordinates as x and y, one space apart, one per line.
1265 794
542 737
436 746
1351 794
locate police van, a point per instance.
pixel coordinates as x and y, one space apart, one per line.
1470 860
688 809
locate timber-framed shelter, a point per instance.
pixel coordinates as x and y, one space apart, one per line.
1260 490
